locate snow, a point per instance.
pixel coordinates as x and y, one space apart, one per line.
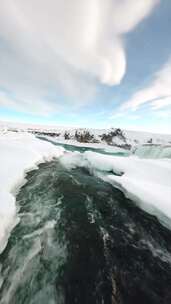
106 148
153 151
132 137
146 181
19 152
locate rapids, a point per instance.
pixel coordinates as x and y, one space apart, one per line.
80 240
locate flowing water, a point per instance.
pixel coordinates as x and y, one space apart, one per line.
79 240
82 149
153 151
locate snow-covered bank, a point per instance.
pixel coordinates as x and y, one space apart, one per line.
146 181
102 146
112 136
19 152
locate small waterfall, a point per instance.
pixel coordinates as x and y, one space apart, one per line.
153 151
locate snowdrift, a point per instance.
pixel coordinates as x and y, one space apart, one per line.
146 181
19 152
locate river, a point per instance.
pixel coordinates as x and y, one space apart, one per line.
80 240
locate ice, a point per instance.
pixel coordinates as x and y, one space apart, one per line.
19 152
145 181
103 146
153 151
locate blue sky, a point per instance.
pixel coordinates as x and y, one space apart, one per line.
94 63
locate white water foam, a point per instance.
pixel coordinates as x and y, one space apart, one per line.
19 152
145 181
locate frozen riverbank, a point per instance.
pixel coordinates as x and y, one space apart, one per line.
146 181
19 152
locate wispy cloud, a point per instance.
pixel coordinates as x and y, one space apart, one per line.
27 104
157 94
161 103
67 46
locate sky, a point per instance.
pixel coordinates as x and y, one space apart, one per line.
93 63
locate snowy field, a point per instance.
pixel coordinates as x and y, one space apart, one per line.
132 137
145 181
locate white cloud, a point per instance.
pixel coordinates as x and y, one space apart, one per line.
157 94
67 46
161 103
26 104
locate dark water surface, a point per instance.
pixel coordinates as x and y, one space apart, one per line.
80 240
